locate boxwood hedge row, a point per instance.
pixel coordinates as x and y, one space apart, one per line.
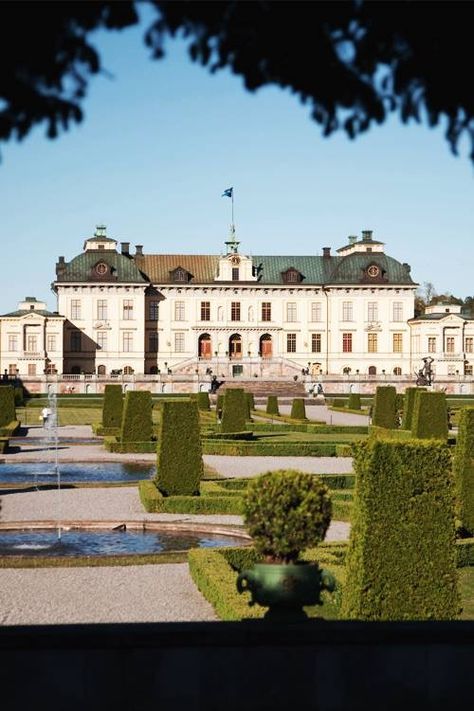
463 469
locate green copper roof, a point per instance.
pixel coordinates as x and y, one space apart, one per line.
81 268
24 312
351 269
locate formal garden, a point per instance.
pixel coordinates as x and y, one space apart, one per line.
409 498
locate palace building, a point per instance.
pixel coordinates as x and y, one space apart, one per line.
144 313
348 313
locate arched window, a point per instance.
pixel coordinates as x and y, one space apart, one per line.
205 346
266 347
397 371
101 370
372 370
128 370
235 346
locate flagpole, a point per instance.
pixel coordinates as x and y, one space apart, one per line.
233 226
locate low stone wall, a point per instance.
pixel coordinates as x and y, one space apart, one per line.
233 666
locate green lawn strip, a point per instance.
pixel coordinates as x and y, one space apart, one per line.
215 573
86 561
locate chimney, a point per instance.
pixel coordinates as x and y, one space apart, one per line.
352 239
61 260
366 235
326 252
125 248
138 250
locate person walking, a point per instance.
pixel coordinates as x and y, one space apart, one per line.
45 415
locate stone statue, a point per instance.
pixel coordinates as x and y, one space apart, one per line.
425 375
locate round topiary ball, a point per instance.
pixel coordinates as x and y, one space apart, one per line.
286 511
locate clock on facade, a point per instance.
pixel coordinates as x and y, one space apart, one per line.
235 260
101 269
373 270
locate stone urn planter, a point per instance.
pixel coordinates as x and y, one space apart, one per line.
286 512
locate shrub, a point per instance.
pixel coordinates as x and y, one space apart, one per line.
179 462
384 433
385 411
19 397
111 444
430 416
285 512
250 404
463 469
339 403
272 405
298 411
401 559
7 405
112 407
354 401
234 415
203 402
136 420
408 405
154 502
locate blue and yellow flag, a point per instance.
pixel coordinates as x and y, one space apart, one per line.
228 192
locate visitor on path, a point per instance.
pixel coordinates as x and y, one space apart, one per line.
45 412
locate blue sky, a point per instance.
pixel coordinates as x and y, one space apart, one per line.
162 140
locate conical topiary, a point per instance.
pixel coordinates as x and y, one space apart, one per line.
298 410
136 420
234 413
179 451
272 405
113 406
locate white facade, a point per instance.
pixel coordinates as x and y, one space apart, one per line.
31 340
149 313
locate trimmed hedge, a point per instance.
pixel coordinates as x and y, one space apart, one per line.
250 404
430 416
309 427
298 410
179 461
339 403
246 435
113 406
136 420
465 553
401 558
10 429
7 405
112 444
463 470
281 449
384 433
102 431
3 445
234 415
408 407
272 405
154 502
385 410
354 402
203 401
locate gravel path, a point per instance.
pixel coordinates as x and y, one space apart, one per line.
139 593
231 467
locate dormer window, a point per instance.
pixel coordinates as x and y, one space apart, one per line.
292 276
180 275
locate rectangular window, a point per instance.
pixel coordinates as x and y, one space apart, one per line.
205 310
347 310
449 344
347 342
451 370
31 368
397 311
315 343
75 308
291 311
102 309
153 342
468 369
235 273
469 344
102 340
31 344
153 308
127 341
127 314
372 342
398 342
50 342
266 311
75 341
235 311
316 311
12 369
179 310
431 344
13 343
372 311
291 342
179 342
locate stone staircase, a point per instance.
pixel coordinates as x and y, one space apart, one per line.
264 388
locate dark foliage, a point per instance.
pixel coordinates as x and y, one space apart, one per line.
353 62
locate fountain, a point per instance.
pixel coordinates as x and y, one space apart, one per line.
50 441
